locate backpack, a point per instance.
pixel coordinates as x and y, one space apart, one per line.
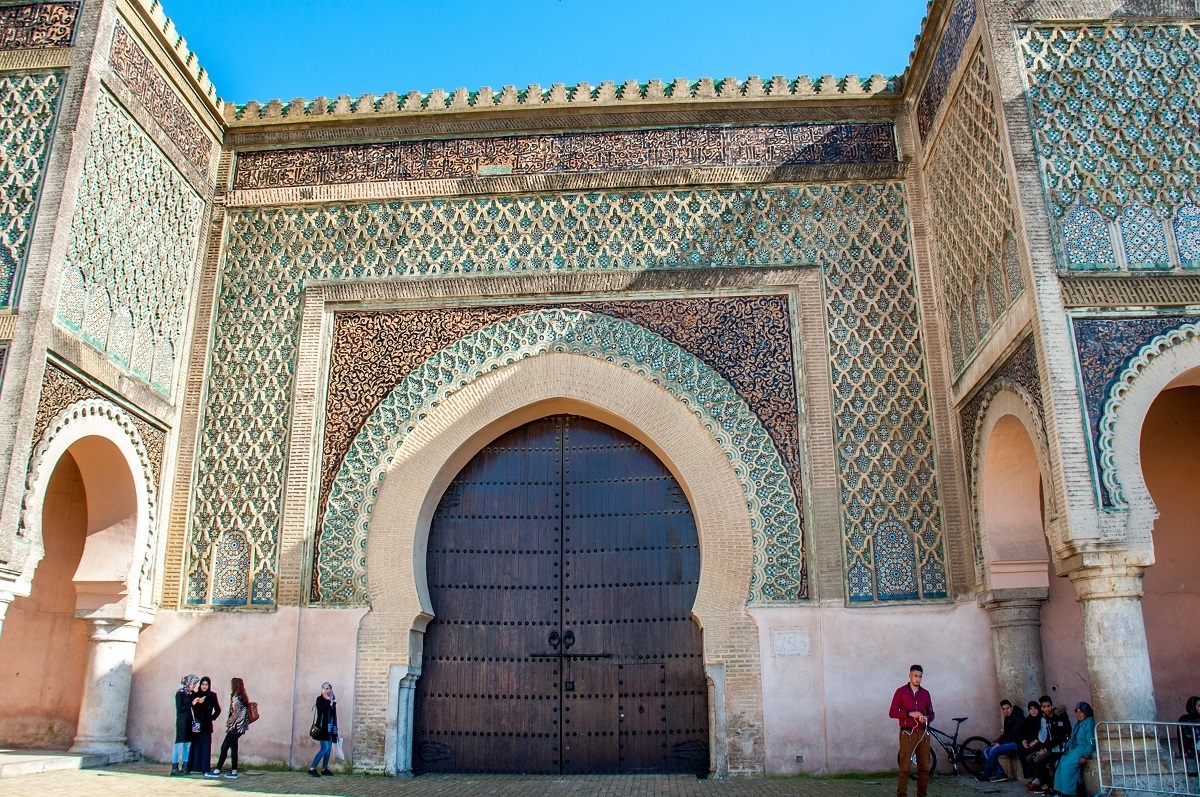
252 713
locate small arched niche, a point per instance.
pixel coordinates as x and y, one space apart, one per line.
1012 516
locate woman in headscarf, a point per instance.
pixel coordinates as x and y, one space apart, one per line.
1188 735
205 709
183 724
1080 749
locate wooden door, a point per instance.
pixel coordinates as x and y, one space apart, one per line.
563 562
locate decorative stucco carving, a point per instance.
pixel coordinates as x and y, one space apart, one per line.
37 25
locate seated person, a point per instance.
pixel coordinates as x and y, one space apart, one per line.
1081 747
1007 744
1188 736
1034 735
1059 727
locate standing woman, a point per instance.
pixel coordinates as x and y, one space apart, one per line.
324 728
183 724
205 708
235 726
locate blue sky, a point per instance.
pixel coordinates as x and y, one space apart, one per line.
288 48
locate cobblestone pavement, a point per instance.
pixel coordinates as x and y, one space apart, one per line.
150 780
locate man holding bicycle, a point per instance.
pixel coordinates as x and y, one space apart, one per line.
912 707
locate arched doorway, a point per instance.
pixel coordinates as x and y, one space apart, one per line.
562 562
43 650
1170 460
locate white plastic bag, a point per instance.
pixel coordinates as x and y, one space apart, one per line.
338 752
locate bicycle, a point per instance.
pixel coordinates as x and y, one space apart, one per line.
969 753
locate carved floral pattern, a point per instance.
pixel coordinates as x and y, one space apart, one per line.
945 60
619 150
137 71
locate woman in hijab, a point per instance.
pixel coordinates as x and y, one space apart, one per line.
1080 749
205 708
1189 735
183 724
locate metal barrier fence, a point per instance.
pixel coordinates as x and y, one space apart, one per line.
1148 757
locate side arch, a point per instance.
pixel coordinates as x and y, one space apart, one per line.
453 431
775 518
1157 365
1005 403
77 423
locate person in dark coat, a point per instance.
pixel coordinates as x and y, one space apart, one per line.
1189 735
324 729
205 708
183 724
1008 743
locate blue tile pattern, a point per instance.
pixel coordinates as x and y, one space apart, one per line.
950 49
1104 346
1115 110
28 108
1187 234
857 233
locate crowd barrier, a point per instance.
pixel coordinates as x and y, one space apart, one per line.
1148 758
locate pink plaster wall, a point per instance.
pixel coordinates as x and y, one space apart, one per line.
283 656
830 705
43 648
1170 464
1062 646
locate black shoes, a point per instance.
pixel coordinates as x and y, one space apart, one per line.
314 773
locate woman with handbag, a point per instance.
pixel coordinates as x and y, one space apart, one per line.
183 724
205 709
324 729
235 727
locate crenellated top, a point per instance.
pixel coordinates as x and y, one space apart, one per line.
584 94
153 11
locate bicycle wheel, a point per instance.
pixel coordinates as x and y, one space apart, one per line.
970 755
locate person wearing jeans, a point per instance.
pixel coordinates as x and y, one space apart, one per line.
324 729
236 726
183 724
1008 743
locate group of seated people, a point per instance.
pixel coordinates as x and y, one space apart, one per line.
1051 750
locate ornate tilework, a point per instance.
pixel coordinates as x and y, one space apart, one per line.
133 243
3 360
895 562
746 339
28 108
619 150
37 25
231 569
852 229
137 71
1104 346
1187 235
1020 369
1115 111
1143 237
775 519
1088 240
950 49
972 215
881 404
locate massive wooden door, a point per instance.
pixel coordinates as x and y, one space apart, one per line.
563 562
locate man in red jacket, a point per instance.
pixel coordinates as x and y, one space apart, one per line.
913 708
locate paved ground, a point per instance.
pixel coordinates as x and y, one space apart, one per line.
150 780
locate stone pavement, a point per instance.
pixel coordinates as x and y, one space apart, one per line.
150 780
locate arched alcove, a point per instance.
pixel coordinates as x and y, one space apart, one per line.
1170 460
43 647
1012 515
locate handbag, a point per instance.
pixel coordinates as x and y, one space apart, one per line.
252 713
314 732
195 722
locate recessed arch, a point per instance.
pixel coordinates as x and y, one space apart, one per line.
501 400
119 481
1008 486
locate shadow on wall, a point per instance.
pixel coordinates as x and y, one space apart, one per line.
1170 455
43 648
283 656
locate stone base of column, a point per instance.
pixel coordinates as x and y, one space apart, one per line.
114 751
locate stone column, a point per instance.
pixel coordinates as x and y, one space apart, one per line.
1016 616
1114 639
6 599
402 693
105 710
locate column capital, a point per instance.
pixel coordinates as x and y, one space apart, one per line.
1014 607
1103 580
101 629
